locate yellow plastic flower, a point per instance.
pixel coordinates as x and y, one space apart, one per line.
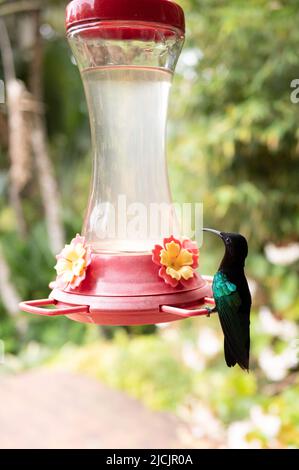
177 260
72 263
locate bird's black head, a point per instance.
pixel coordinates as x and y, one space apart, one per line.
236 247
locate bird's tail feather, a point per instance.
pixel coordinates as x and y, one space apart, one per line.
236 350
229 357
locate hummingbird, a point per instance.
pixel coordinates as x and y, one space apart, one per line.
233 299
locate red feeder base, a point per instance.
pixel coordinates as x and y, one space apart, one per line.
125 290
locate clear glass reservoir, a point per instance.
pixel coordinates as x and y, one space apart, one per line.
127 69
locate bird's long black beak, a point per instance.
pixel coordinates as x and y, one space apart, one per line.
212 231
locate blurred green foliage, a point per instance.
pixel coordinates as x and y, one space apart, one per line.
233 144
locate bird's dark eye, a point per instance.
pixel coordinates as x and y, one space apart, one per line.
227 240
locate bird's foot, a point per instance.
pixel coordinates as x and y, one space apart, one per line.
210 310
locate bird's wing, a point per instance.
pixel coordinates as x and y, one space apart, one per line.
228 303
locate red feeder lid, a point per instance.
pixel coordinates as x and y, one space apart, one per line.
165 12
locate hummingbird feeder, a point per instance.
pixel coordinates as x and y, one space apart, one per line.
126 51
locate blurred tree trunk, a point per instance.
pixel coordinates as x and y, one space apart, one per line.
20 133
45 170
17 130
26 137
20 6
9 296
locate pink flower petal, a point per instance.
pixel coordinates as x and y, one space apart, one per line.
88 256
156 254
60 283
168 279
77 281
78 239
171 239
190 283
190 245
195 261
